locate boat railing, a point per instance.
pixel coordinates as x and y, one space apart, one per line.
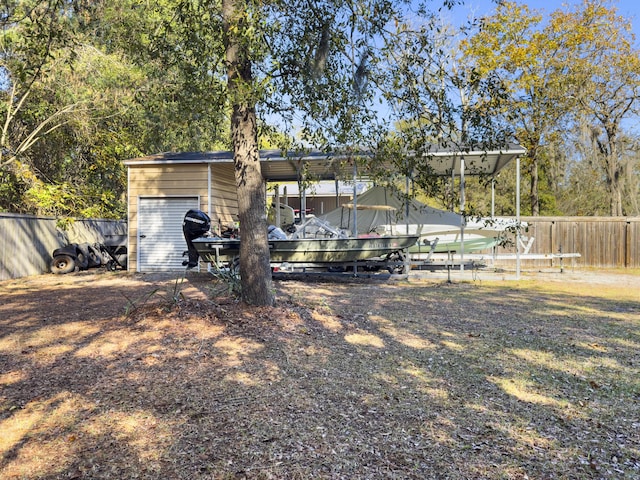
313 227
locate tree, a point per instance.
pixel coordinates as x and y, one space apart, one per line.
308 64
31 32
255 269
60 94
513 46
89 84
585 194
604 68
578 67
438 99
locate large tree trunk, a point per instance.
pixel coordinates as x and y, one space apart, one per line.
611 165
255 270
531 142
615 173
534 195
614 187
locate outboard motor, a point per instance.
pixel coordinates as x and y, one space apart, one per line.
195 224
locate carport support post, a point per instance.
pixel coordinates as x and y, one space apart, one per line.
493 197
355 210
209 212
406 207
277 195
303 205
494 249
406 269
518 218
463 219
355 199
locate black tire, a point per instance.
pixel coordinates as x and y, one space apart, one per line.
63 264
82 256
234 266
94 257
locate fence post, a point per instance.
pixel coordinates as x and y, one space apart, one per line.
627 244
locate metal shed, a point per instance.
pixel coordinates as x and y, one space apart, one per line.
162 187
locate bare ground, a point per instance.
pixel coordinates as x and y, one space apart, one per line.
118 376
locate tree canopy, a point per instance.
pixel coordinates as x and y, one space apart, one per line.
87 84
573 72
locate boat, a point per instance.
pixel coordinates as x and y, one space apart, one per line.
479 235
379 210
309 251
452 243
313 244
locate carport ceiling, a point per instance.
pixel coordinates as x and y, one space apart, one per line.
320 165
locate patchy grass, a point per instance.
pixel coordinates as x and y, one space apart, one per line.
357 379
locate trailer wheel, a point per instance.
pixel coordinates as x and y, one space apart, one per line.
63 264
234 266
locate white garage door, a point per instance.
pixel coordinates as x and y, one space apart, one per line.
160 239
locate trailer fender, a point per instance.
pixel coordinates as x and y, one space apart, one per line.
71 250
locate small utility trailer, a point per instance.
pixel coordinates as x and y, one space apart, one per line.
112 254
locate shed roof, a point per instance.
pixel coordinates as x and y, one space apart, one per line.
279 167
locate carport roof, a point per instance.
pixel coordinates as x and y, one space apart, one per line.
279 167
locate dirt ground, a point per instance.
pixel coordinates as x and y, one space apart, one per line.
446 375
102 293
623 278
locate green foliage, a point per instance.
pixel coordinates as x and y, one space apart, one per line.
585 194
227 280
169 297
49 199
64 223
10 192
85 85
104 88
572 73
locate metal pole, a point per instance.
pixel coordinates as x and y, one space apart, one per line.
303 205
453 186
518 218
355 199
406 207
209 208
494 249
462 219
493 197
278 217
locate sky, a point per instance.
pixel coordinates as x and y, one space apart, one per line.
630 9
626 8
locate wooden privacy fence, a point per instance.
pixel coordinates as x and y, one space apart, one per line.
26 241
602 242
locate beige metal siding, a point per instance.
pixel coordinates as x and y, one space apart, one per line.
162 181
224 199
180 180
